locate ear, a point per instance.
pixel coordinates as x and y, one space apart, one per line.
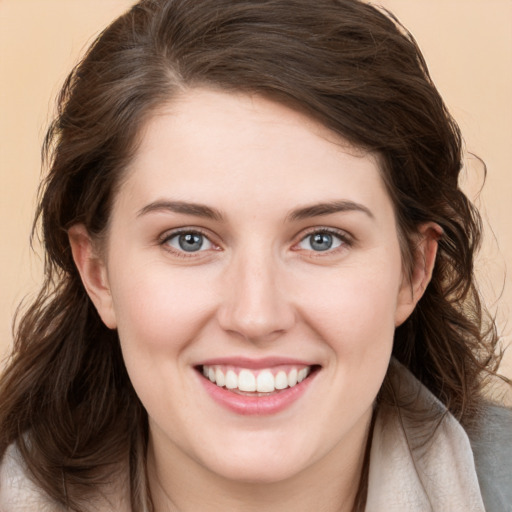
93 272
424 257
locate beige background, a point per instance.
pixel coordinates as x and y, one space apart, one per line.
467 44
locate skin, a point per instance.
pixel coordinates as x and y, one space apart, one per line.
256 289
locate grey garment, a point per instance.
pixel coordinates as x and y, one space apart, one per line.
492 449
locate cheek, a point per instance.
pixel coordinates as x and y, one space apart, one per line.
355 308
158 310
159 315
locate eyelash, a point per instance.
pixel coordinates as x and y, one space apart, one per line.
346 240
166 237
344 237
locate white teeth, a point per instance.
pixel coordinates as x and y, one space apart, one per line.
246 381
263 382
231 380
281 380
219 377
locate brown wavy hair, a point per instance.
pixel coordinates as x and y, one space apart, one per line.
65 396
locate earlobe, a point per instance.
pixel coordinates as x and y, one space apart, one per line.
93 273
424 257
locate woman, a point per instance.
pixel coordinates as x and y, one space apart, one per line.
259 286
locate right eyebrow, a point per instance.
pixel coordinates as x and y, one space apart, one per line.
195 209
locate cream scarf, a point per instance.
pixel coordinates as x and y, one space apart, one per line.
415 465
418 465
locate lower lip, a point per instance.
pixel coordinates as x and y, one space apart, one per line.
257 405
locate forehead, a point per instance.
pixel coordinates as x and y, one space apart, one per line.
207 145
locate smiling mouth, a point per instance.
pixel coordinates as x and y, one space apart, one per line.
262 382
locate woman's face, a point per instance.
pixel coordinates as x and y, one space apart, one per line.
250 244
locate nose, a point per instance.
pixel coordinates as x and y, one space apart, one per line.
255 305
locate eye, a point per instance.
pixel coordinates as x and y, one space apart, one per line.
321 241
189 241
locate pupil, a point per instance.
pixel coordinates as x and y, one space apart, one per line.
191 242
321 242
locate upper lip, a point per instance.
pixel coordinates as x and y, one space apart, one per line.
255 364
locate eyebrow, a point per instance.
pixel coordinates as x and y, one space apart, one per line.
317 210
195 209
207 212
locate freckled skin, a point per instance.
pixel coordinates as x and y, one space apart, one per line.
259 287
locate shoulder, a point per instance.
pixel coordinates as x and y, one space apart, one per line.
492 449
17 492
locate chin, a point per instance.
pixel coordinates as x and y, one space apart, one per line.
259 466
264 473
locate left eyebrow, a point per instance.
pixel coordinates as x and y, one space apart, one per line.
317 210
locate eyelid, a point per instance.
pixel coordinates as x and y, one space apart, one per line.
169 234
346 238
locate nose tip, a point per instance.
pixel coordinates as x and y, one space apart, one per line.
256 306
255 330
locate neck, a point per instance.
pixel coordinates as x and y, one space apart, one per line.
329 485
